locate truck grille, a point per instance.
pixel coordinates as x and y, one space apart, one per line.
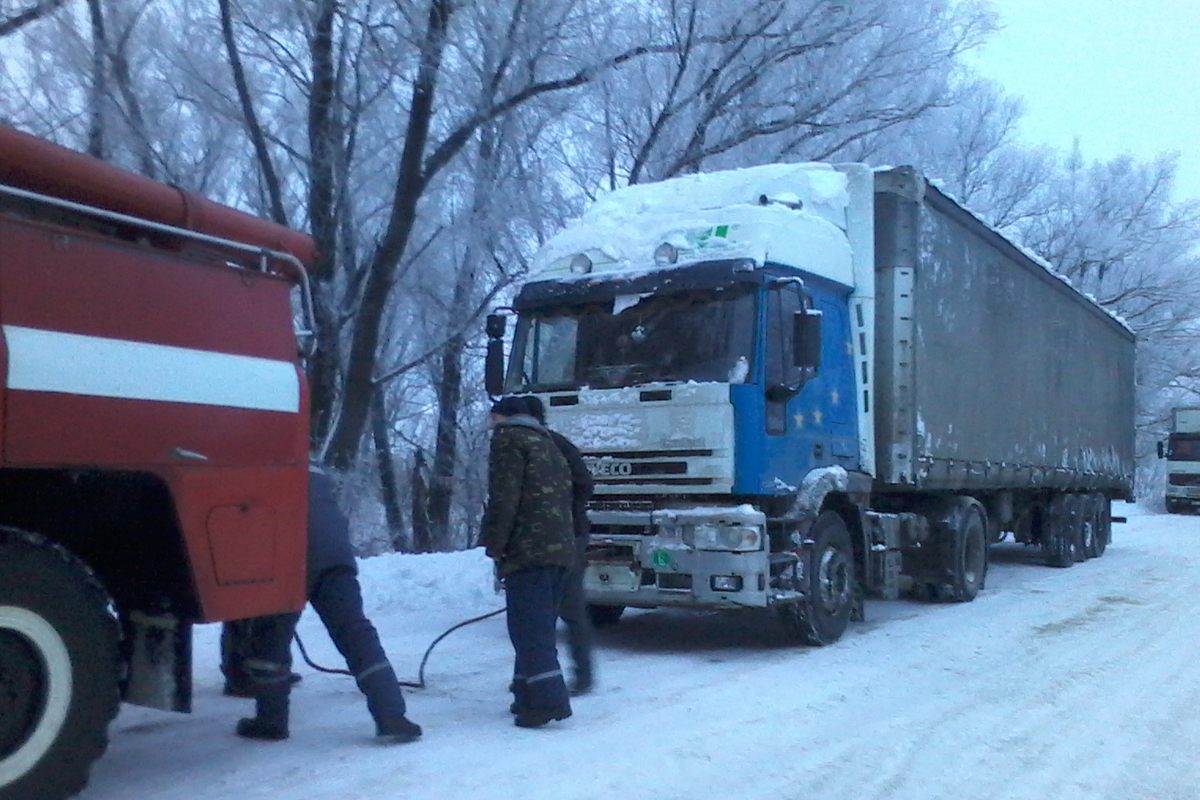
1183 479
675 581
604 504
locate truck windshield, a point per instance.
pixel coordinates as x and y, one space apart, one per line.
702 335
1179 449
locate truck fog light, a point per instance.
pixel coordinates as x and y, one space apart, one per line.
666 253
581 264
726 583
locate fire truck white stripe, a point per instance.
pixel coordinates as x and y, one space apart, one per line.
70 363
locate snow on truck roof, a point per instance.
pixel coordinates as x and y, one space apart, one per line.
791 213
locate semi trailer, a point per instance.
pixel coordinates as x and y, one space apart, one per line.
799 383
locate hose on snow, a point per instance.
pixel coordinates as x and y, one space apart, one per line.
420 681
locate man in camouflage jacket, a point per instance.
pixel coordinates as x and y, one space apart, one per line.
528 531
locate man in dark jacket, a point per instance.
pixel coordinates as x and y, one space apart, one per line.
334 592
528 532
573 609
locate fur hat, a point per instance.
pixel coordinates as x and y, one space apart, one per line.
510 406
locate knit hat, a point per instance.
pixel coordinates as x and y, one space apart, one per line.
510 406
534 407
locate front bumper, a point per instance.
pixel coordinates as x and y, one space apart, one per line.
653 567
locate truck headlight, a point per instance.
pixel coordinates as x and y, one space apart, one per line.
706 536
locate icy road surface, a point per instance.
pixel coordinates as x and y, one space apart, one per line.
1052 685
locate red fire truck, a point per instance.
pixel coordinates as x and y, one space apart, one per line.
153 445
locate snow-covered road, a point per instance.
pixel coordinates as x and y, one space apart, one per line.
1052 685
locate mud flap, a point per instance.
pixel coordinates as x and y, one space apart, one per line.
159 654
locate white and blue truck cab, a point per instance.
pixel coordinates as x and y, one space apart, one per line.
711 344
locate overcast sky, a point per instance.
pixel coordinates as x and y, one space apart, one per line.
1121 75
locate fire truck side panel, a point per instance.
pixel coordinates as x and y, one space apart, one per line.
120 357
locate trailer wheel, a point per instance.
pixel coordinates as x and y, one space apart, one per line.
1103 517
604 616
1062 538
58 669
964 551
822 616
1092 516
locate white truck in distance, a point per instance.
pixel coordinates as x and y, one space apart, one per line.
1182 452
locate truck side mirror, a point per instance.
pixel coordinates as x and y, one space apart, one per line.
493 368
495 326
806 338
1161 454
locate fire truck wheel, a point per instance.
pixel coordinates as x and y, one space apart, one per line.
58 669
604 616
822 616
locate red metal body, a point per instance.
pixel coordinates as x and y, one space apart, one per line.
28 162
120 356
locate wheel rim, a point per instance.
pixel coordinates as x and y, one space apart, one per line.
35 685
833 579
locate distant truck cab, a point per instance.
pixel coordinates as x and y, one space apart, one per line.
153 445
1182 452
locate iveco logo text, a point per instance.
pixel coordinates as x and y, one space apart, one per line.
608 467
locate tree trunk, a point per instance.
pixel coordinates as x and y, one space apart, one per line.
445 454
323 143
421 540
387 468
359 385
98 95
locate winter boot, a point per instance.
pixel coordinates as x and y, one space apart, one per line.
582 683
579 642
399 730
262 729
271 711
517 687
244 686
536 717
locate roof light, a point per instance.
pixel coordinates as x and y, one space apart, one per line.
666 253
581 264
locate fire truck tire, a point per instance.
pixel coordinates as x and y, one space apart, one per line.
58 669
604 616
964 553
822 616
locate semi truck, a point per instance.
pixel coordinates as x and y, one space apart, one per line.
1182 452
797 384
153 445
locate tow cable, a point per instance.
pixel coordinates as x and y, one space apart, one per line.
420 682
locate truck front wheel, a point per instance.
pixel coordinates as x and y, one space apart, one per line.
821 617
604 616
58 669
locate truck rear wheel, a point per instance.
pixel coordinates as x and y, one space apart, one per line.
1096 524
964 551
1062 533
822 616
58 669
